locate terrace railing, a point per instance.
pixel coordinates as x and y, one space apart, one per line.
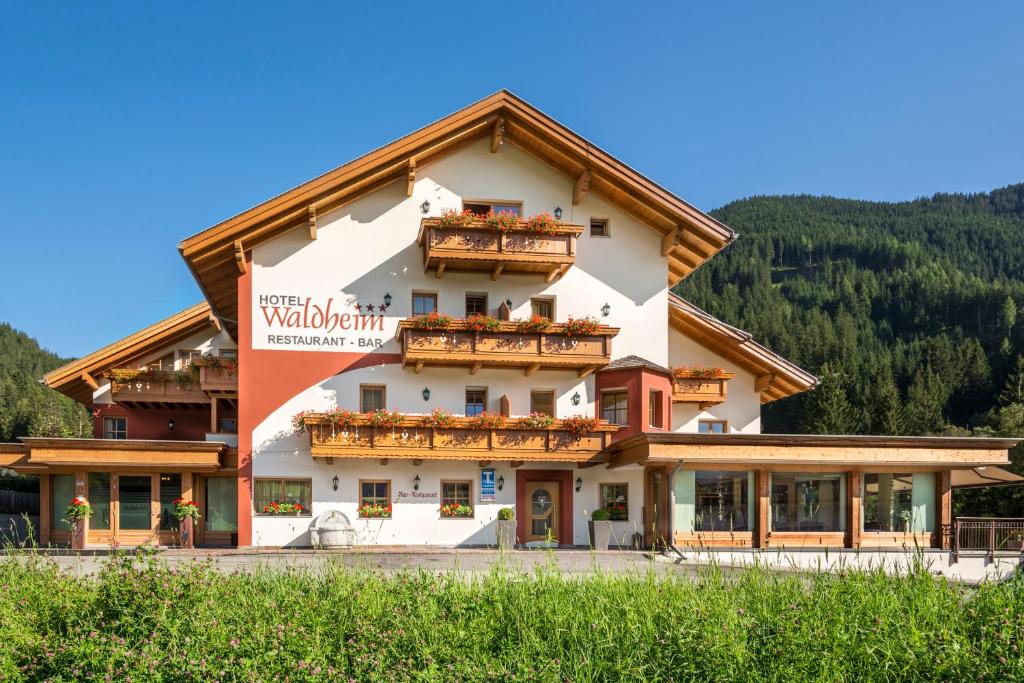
972 535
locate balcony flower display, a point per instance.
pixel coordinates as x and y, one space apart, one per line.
217 363
439 419
487 420
577 327
697 372
277 508
535 323
542 224
79 508
450 218
345 418
383 418
502 221
375 511
122 377
432 321
186 509
536 421
580 425
299 420
455 510
482 323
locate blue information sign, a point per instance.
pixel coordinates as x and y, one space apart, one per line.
487 484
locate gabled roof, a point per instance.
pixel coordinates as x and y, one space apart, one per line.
629 362
776 377
77 379
689 236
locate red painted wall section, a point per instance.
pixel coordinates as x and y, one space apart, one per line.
151 423
638 383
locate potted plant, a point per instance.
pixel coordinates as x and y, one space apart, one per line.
600 529
506 528
299 421
187 513
75 515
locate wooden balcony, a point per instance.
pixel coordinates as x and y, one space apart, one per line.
480 248
157 387
703 391
218 380
412 440
506 347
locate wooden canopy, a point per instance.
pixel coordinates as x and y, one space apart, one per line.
39 455
77 379
776 377
217 255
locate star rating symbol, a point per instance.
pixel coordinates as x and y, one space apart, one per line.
369 307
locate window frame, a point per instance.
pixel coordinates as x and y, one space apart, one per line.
469 499
491 203
188 357
476 295
482 390
307 508
606 227
554 401
603 501
158 364
387 497
107 432
655 411
711 423
228 353
625 410
548 301
384 397
416 293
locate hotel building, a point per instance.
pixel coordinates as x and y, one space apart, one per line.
474 317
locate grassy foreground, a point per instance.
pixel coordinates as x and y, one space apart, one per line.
141 621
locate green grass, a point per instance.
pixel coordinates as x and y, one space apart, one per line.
142 620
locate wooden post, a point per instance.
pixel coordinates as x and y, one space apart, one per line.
80 531
991 540
213 415
956 541
762 502
186 532
853 510
45 507
943 507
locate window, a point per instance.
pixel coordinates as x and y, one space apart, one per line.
376 493
115 428
615 499
613 407
888 502
476 304
807 502
654 411
228 353
62 490
222 504
189 357
599 227
542 401
291 491
543 307
423 303
162 363
482 208
476 401
170 491
457 493
99 499
227 425
713 427
721 501
371 398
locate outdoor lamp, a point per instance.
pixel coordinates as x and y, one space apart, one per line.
579 484
508 302
387 301
170 425
426 393
335 482
576 399
425 207
501 482
605 310
558 213
416 483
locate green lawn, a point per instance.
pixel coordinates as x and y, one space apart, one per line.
143 620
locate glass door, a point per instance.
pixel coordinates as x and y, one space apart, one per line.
135 502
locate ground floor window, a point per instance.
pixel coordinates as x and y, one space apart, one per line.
170 491
808 502
62 490
615 499
222 504
375 498
721 500
712 427
135 502
456 499
899 502
99 500
288 496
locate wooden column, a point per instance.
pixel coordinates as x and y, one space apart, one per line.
186 530
80 532
943 507
45 506
762 503
854 509
213 415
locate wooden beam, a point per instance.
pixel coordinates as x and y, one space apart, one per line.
497 134
583 372
668 242
88 379
440 269
419 366
853 509
943 507
312 222
762 502
410 178
475 368
532 368
763 383
552 274
588 465
215 321
240 257
581 187
517 463
498 267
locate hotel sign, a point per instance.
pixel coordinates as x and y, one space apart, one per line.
487 485
296 322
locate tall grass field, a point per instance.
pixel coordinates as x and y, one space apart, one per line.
139 620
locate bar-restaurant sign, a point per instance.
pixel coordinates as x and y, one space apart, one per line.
300 322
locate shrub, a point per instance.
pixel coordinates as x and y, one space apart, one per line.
450 218
576 327
600 515
506 514
535 323
502 221
439 418
580 425
482 323
383 418
537 421
432 321
487 420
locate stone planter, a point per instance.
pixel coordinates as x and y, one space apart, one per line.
506 532
600 534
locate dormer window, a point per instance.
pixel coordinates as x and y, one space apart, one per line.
482 208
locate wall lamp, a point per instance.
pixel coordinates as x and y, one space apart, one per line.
425 207
416 483
170 425
558 213
335 482
387 301
501 482
605 310
576 399
579 484
426 393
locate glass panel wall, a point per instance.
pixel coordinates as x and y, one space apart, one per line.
170 491
62 490
711 500
221 504
99 499
134 502
888 501
808 502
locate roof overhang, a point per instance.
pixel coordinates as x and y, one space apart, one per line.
78 378
776 377
689 237
803 450
35 455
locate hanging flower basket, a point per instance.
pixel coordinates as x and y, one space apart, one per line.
186 509
79 508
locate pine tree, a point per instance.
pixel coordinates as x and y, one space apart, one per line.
890 418
828 409
924 406
1013 389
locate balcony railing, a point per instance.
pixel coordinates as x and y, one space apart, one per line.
218 380
704 391
505 347
412 439
988 535
477 247
156 386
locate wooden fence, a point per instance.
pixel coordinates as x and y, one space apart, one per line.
17 502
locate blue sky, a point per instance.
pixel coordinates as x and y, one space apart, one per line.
124 128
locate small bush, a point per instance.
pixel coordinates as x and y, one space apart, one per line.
600 515
506 514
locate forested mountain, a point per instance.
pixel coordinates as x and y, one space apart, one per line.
27 408
909 312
